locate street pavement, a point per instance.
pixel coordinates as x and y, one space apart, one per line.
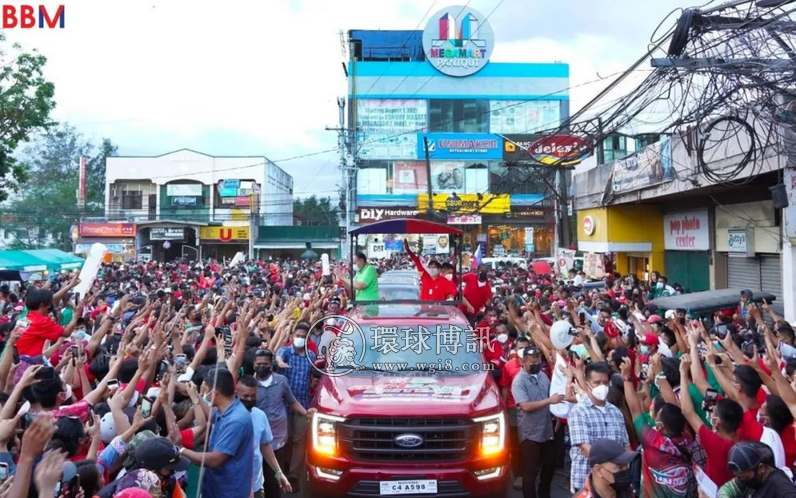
559 488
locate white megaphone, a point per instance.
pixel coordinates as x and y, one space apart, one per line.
562 334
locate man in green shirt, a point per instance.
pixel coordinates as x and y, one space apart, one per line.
366 280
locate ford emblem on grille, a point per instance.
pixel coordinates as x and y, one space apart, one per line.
408 440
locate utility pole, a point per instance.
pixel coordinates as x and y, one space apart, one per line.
566 238
430 208
341 145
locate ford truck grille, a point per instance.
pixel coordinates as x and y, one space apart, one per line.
374 439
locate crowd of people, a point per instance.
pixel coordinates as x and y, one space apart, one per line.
170 378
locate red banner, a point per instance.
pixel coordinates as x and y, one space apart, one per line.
107 230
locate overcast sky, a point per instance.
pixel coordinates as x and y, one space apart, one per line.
261 77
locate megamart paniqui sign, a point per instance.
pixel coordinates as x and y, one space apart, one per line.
458 41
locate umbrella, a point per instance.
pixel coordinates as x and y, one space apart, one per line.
542 268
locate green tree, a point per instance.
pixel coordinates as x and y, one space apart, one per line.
26 100
46 206
313 211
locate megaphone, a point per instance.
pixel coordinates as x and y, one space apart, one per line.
562 334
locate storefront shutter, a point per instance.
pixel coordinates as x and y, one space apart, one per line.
771 275
743 273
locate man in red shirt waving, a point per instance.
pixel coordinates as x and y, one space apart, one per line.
477 292
433 286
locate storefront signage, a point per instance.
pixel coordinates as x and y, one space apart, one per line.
589 225
166 233
467 203
112 248
517 148
527 213
184 189
436 244
740 242
242 201
230 184
530 244
686 231
387 129
460 146
649 166
183 201
560 150
370 215
458 41
224 234
465 219
107 230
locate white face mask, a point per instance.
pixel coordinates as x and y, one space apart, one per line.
433 272
449 276
502 338
520 353
600 393
298 342
357 267
482 284
659 285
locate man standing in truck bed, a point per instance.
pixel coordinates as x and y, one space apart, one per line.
433 286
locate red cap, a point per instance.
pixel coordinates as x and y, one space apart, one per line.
654 319
610 330
651 340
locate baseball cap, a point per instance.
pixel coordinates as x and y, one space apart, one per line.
608 450
654 319
651 340
748 293
158 452
743 457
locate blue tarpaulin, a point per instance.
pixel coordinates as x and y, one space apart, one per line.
390 45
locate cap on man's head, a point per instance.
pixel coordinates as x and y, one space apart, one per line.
651 340
157 453
748 293
530 351
608 450
743 457
654 319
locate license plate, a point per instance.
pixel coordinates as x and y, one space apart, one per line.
408 487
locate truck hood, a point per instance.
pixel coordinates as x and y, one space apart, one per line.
370 394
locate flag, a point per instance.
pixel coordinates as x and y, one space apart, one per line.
476 260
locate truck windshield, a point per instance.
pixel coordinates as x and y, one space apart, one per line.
443 348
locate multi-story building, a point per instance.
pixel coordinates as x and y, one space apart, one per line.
413 94
188 203
705 219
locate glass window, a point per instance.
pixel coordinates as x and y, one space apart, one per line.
514 179
459 116
132 199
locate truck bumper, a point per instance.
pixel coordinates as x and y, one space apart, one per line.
364 482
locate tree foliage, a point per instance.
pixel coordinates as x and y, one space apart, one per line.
314 211
46 206
26 100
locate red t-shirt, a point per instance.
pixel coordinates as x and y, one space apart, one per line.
788 437
41 330
436 289
718 452
750 429
476 295
510 370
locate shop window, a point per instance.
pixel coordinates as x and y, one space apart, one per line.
459 116
372 181
132 199
476 179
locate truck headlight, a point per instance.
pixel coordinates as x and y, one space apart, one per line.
324 433
493 434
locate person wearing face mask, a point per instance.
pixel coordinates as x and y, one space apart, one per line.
230 452
273 397
669 452
530 389
610 473
719 438
365 286
296 363
41 327
510 372
247 393
591 419
476 294
433 285
755 476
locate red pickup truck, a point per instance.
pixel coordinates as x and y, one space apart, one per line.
419 418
